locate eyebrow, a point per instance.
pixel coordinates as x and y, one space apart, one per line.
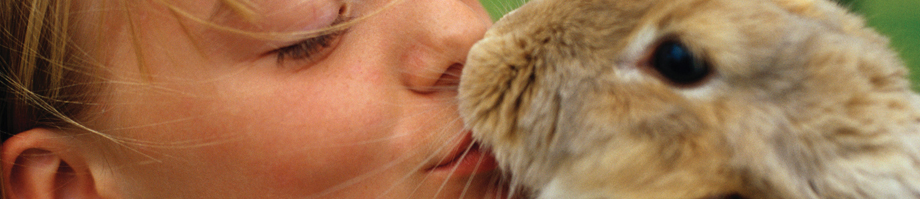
233 10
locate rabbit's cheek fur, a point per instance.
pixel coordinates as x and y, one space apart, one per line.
803 102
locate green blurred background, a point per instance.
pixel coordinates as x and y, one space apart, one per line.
898 19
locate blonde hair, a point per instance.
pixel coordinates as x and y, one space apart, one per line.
43 79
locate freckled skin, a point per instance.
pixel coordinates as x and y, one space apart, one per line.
210 113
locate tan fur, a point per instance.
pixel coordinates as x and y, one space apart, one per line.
805 102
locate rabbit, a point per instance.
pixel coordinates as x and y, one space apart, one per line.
693 99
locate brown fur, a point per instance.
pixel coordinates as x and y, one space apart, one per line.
805 102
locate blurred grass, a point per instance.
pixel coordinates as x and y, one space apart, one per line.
497 8
898 19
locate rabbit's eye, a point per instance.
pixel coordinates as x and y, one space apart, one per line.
674 61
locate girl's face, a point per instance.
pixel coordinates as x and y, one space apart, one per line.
368 112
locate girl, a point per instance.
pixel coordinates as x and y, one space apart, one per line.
239 99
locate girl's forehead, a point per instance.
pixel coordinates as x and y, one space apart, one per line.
216 11
293 15
270 11
211 21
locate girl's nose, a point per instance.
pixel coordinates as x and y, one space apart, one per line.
441 33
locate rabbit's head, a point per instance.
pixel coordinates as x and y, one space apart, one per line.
693 99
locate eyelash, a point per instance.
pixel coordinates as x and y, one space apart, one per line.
308 48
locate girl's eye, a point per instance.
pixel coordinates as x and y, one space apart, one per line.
315 48
308 49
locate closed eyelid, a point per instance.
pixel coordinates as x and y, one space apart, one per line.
278 24
314 46
308 48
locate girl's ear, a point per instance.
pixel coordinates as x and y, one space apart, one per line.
43 163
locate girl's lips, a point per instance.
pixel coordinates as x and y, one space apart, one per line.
467 159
